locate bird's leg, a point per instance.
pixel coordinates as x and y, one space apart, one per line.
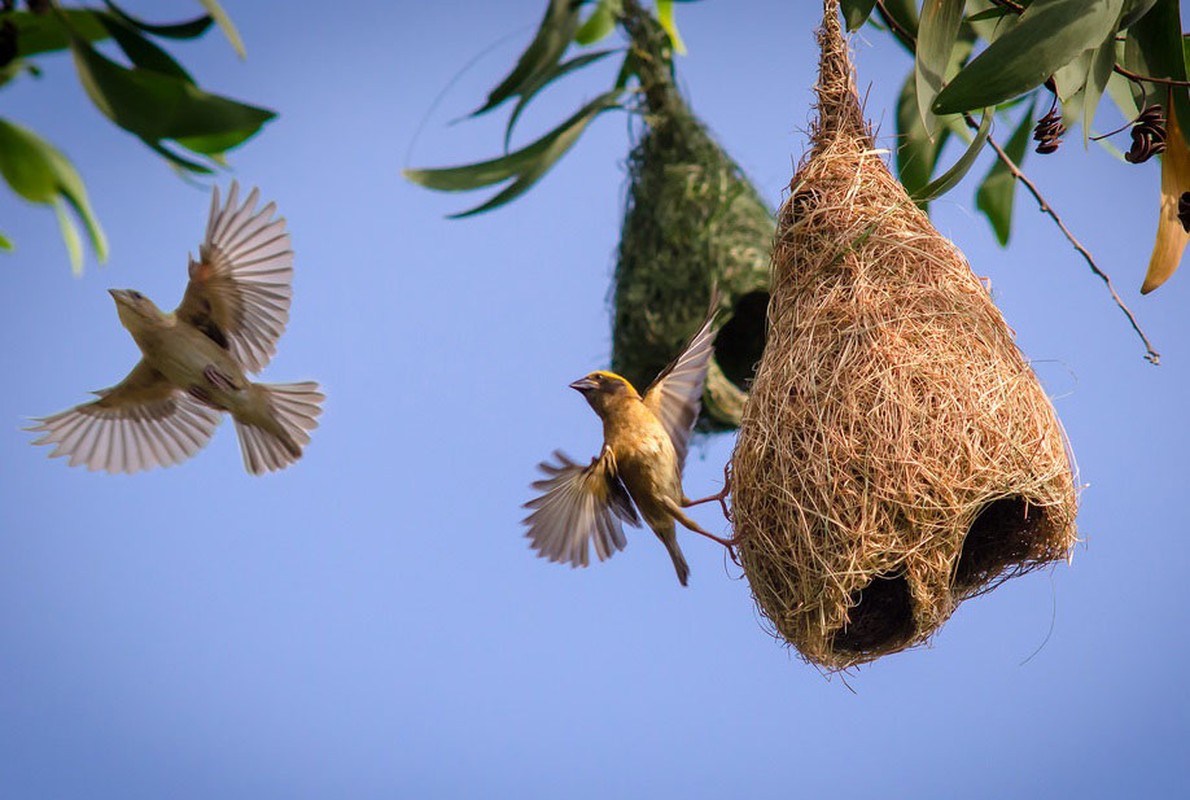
677 513
721 496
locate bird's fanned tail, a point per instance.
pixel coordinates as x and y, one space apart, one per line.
277 443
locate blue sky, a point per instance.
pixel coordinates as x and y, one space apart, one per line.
371 623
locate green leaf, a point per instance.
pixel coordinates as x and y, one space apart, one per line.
544 79
947 180
995 195
155 106
1049 35
45 33
990 21
936 37
213 145
70 235
190 29
601 22
527 164
1126 94
141 51
26 164
553 36
917 154
226 25
6 243
1153 46
1070 78
665 16
37 171
993 13
1102 62
1134 10
177 161
856 12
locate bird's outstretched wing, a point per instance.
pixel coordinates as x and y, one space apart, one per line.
579 505
675 396
239 290
139 423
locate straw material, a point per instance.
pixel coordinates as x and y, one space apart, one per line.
897 454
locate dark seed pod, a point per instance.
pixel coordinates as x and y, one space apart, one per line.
1048 131
1148 135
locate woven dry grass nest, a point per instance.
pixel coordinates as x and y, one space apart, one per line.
897 454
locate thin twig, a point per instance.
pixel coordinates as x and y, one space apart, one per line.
1151 355
908 38
1136 76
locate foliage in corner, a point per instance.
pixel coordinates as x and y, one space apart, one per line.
151 96
565 25
1018 56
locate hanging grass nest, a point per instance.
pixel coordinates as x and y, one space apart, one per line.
897 454
692 220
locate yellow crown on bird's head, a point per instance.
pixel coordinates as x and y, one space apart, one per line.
600 382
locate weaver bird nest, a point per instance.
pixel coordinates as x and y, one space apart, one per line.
692 220
897 454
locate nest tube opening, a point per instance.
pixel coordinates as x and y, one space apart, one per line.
880 617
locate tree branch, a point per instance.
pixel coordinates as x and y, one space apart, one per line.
1134 76
1151 355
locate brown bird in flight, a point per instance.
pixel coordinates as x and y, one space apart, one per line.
195 360
639 468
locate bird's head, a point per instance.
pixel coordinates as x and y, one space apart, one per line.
603 389
136 311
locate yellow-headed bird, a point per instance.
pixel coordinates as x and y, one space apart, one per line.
195 360
640 465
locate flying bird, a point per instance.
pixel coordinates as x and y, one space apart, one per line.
639 468
195 360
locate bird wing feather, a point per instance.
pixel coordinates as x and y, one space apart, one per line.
578 505
139 423
675 396
239 290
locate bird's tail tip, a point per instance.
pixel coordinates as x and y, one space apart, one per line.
294 410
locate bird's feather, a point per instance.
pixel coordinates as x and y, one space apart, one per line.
139 423
675 396
579 505
239 291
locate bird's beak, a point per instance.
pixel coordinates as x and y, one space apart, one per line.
583 385
119 295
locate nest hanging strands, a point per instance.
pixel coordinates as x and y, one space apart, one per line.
897 455
692 220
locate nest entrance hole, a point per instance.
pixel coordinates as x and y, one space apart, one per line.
881 617
1004 534
740 342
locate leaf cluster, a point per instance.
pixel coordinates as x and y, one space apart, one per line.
1013 58
565 25
152 97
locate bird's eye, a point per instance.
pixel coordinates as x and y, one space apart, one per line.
136 295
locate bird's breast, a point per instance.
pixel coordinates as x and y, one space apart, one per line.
647 465
189 359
